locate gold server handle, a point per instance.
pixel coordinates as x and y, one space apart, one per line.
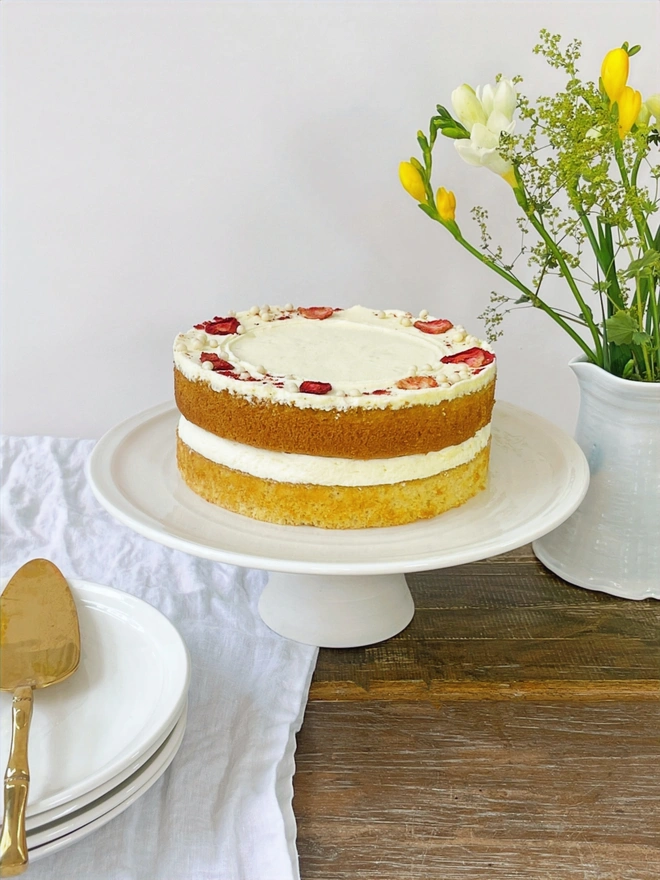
13 843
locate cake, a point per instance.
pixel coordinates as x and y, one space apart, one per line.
337 418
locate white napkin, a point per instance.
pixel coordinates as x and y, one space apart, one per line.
222 811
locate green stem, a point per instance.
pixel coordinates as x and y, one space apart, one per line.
640 221
607 354
653 307
624 243
584 308
603 259
590 234
534 298
640 317
607 244
635 170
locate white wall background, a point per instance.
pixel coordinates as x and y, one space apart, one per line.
165 161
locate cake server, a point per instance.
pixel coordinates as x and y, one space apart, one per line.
39 646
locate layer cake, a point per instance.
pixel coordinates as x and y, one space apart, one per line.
337 418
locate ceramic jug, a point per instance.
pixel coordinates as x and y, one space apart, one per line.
612 541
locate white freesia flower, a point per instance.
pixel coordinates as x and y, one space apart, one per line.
501 98
467 106
651 107
644 115
485 113
653 104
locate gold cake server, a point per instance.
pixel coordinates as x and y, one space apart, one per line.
39 646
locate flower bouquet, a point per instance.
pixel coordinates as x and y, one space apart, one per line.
582 174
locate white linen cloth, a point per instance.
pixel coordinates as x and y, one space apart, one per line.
222 811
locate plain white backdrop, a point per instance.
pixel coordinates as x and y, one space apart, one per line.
163 162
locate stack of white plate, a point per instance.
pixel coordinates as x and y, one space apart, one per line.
101 739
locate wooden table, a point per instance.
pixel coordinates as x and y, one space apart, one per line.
511 731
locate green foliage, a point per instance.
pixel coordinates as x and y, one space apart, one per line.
448 126
586 216
621 328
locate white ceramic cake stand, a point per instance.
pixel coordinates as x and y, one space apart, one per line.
341 588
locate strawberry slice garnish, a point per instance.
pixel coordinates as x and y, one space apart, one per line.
473 357
413 382
320 313
219 326
315 387
219 366
381 391
439 326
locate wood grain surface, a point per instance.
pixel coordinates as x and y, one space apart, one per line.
512 731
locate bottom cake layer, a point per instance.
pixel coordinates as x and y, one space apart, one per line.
332 507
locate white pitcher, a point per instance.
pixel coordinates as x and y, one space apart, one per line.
612 542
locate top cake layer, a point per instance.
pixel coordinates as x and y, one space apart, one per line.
335 359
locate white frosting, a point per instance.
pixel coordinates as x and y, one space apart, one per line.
357 350
287 467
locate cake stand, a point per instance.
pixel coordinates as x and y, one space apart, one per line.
343 588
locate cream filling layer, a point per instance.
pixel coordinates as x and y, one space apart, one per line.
288 467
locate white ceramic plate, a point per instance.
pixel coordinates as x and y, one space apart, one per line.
56 814
139 781
127 693
114 804
538 477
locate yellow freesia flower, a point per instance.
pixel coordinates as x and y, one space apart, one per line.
614 73
629 103
412 182
446 204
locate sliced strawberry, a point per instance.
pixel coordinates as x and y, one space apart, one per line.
417 382
315 387
219 326
439 326
381 391
473 357
284 317
219 366
320 313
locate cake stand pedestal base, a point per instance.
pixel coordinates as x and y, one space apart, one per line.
335 611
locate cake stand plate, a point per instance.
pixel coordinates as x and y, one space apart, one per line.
342 588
